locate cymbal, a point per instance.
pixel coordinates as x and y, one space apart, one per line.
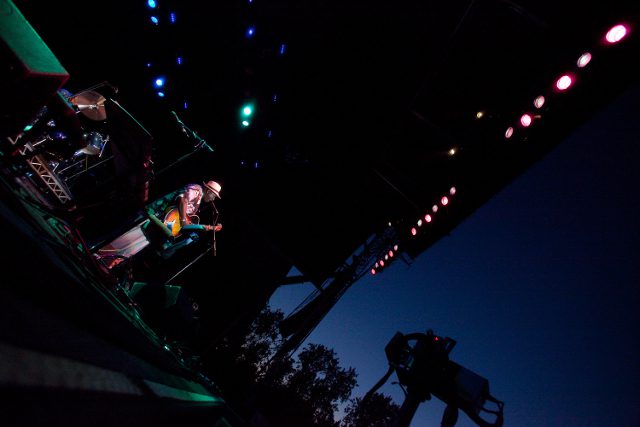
90 104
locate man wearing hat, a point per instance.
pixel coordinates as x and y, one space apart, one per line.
175 216
189 204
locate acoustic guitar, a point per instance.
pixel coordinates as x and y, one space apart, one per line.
172 221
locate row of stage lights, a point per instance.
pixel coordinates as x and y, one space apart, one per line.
563 83
613 36
419 225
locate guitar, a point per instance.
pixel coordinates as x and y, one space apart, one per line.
172 221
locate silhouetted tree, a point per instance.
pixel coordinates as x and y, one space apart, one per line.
305 390
377 410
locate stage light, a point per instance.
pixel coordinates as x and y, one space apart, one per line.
452 190
155 20
386 257
616 33
373 271
452 151
479 114
539 101
419 223
172 17
444 201
525 120
381 263
391 254
159 82
414 231
250 32
584 59
283 48
428 218
152 4
509 132
434 208
246 111
179 60
161 94
395 247
564 82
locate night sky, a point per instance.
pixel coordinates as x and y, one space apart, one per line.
540 288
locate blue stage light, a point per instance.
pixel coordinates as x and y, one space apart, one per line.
152 4
155 20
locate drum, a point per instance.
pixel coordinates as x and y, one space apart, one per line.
94 144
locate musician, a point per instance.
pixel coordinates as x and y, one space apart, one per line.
189 203
176 215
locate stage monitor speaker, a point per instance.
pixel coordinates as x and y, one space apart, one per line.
30 74
167 308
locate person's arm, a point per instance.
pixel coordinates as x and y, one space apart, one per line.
154 219
182 210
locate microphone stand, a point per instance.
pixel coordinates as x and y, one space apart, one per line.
200 144
215 222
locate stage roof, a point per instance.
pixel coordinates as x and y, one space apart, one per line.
366 112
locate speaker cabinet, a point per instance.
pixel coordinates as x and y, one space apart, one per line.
30 74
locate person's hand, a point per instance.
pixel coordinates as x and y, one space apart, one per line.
217 227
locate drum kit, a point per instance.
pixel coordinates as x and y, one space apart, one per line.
68 137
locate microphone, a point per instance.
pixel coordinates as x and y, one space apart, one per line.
113 88
175 116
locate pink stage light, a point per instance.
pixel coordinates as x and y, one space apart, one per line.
564 82
584 59
525 120
616 33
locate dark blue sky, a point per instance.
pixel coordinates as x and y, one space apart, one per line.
540 288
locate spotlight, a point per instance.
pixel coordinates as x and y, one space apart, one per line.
564 82
391 254
444 201
395 247
584 59
539 101
419 223
373 271
616 33
452 190
414 231
525 120
434 208
509 132
427 218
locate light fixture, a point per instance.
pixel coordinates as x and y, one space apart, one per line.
584 59
616 33
509 132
